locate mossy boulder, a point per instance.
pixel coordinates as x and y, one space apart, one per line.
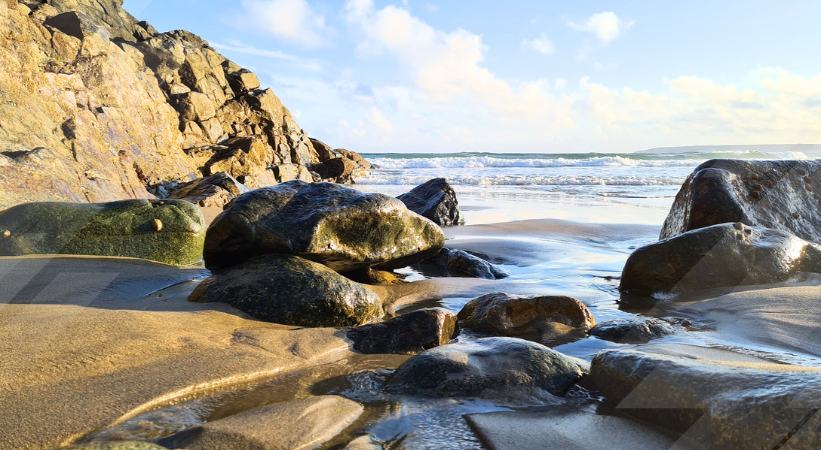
167 231
340 227
291 290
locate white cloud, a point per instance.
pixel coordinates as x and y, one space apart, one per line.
289 20
606 26
541 44
239 47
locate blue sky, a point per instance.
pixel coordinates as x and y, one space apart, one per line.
524 76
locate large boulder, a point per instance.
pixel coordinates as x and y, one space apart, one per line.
296 424
486 366
782 195
337 226
436 200
412 332
291 290
726 405
167 231
546 319
214 191
722 255
451 262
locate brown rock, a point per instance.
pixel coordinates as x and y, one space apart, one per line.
335 169
212 191
409 333
548 319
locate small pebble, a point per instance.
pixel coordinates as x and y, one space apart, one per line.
738 226
6 233
157 225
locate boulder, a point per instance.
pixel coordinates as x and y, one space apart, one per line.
724 255
484 367
451 262
292 291
546 319
323 150
214 191
373 276
641 329
167 231
296 424
409 333
290 171
436 200
337 169
723 405
243 81
781 195
337 226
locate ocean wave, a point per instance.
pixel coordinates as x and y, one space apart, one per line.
525 180
482 162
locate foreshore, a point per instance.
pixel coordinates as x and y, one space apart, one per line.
91 342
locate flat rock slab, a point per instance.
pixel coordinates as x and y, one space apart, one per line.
563 429
293 425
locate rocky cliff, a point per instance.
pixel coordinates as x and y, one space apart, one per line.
96 105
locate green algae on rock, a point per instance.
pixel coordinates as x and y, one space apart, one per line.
292 291
167 231
340 227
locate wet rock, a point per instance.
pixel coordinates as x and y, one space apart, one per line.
451 262
412 332
214 191
291 290
723 255
546 319
338 226
436 200
714 405
781 195
486 366
124 228
633 330
296 424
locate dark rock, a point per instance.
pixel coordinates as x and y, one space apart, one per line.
723 255
633 330
781 195
459 263
547 319
409 333
723 406
70 23
168 231
338 226
486 366
338 169
292 291
436 200
213 191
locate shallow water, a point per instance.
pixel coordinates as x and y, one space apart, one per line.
569 240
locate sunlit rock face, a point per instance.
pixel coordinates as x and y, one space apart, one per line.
97 106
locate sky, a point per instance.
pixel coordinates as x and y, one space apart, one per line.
526 75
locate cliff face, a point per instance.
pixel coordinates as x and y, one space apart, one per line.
96 106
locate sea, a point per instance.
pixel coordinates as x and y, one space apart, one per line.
636 188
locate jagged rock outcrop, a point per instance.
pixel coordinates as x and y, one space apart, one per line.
97 106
